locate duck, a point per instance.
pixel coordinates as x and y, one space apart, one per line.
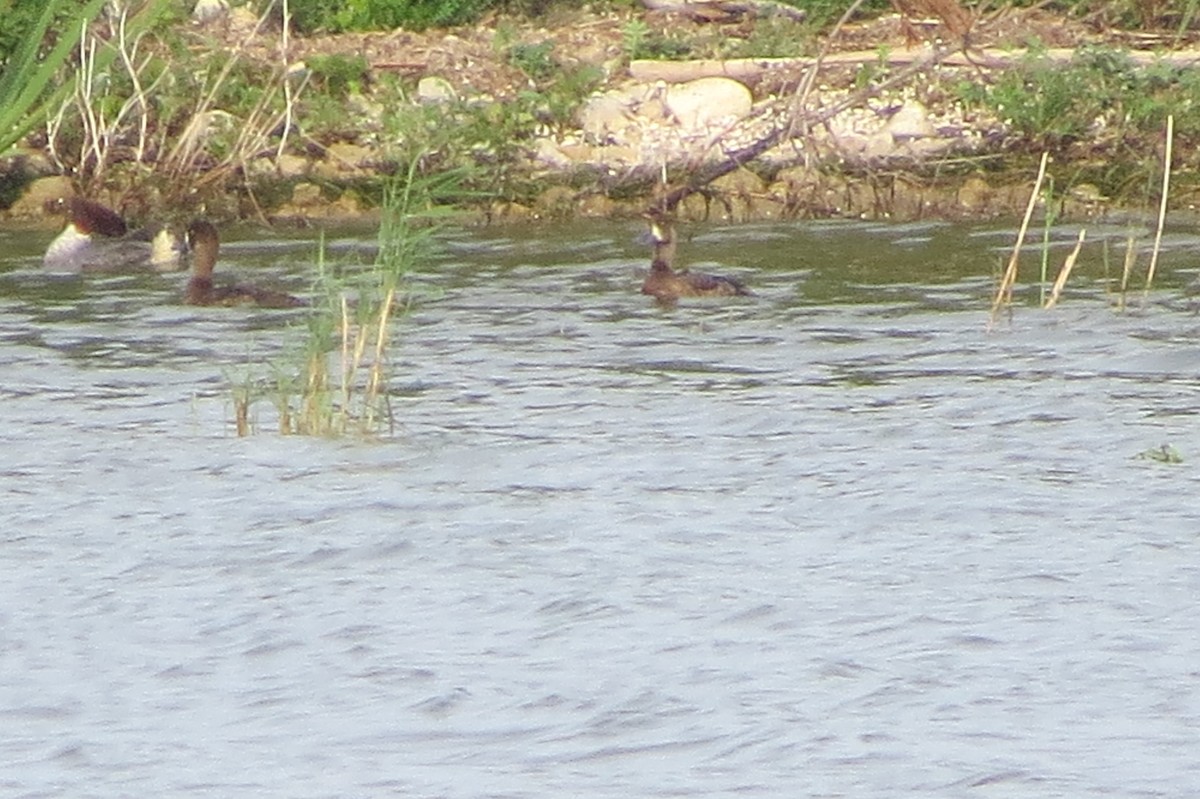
666 284
96 239
205 242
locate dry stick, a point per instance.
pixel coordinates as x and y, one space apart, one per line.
1004 291
1065 272
1162 203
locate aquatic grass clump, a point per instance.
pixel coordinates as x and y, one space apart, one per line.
1164 453
340 384
1002 299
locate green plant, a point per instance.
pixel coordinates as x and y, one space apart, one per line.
338 384
339 75
639 42
773 37
312 15
26 93
1100 98
535 60
1164 453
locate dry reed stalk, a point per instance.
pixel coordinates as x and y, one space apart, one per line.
1065 272
346 373
375 379
1004 290
288 98
1127 269
128 54
254 131
315 387
100 134
241 413
285 417
1162 203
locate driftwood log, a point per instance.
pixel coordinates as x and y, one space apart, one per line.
750 69
724 10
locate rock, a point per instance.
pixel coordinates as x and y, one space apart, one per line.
32 203
307 195
433 89
343 160
556 202
699 104
617 116
596 205
550 154
205 11
242 21
740 181
292 166
910 122
974 194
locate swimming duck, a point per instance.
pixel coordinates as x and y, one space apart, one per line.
667 285
96 239
204 241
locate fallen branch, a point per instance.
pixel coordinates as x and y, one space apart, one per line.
725 10
750 69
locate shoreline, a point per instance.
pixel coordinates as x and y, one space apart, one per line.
911 151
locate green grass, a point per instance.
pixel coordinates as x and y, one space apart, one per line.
1099 96
337 383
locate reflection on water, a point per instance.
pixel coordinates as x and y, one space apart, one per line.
836 539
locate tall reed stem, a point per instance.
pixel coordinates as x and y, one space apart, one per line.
1162 202
1004 290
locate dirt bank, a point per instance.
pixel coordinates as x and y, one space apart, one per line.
912 150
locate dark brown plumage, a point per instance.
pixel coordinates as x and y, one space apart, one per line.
666 284
205 242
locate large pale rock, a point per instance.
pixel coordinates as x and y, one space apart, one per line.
434 89
705 102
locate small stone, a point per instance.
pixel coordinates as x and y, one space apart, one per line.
911 122
306 195
205 11
974 194
292 166
242 21
433 89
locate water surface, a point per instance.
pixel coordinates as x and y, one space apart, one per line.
838 539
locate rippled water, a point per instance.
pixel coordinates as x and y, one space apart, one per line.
835 540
